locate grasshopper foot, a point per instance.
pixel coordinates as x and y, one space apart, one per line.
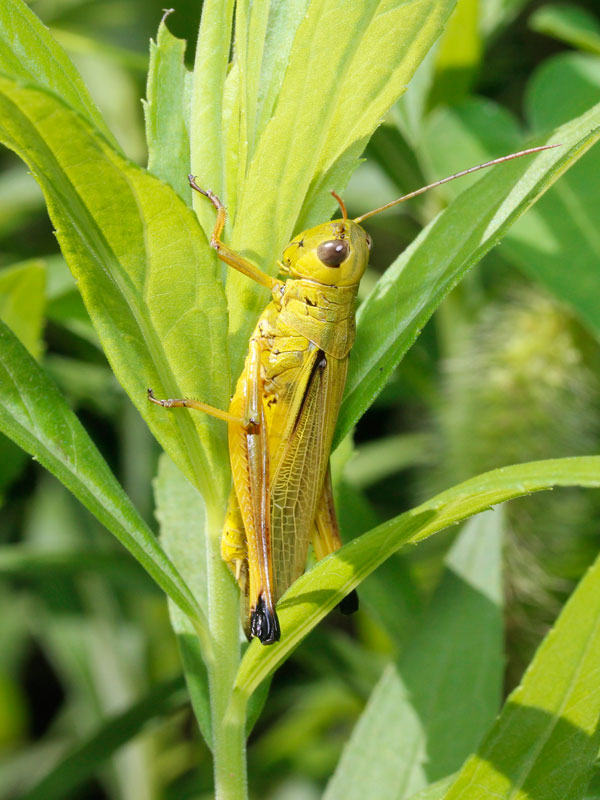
350 603
264 623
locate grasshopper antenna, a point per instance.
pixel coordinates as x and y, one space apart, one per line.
341 204
423 189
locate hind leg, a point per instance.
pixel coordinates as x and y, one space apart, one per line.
326 537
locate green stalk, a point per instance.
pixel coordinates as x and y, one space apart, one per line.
229 740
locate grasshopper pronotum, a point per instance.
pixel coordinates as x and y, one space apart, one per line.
283 413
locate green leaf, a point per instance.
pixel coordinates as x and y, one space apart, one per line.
569 23
497 14
546 740
320 589
569 78
167 112
86 384
20 198
429 711
435 791
207 120
458 55
144 269
87 758
563 227
380 458
65 304
22 302
12 462
473 131
32 562
182 517
280 32
391 318
37 418
312 144
593 790
30 54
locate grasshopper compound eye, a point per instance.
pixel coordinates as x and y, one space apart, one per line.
334 252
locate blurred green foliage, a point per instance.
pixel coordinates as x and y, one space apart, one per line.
507 371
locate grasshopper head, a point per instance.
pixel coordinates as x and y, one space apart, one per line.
335 253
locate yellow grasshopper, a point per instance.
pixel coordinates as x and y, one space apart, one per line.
283 413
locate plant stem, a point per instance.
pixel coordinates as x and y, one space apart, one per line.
229 740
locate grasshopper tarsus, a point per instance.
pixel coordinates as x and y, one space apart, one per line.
194 185
157 402
264 623
207 193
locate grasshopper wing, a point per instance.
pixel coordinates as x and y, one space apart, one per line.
299 465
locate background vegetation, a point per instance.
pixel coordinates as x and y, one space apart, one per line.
92 700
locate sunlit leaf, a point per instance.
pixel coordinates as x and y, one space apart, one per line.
430 710
143 267
295 166
546 740
30 54
167 112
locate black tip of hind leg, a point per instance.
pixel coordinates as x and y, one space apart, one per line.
264 623
350 603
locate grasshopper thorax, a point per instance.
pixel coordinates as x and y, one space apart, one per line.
335 253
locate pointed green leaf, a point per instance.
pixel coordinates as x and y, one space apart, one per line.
546 740
144 269
568 23
30 54
391 318
281 29
429 711
328 106
320 589
167 112
207 123
37 418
